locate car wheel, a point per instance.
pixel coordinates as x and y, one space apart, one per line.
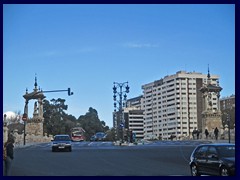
194 170
224 171
53 150
70 149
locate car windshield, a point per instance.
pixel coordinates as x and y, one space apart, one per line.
77 133
100 134
61 138
226 151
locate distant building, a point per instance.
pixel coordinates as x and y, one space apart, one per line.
173 105
133 115
227 105
227 102
135 102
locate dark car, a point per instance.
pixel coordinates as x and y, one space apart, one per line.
92 138
61 142
213 159
100 136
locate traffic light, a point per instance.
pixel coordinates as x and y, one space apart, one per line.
69 92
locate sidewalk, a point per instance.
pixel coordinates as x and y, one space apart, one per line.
222 141
142 142
17 146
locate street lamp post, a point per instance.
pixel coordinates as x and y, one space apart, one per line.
119 102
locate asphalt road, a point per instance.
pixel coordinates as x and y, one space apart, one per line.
105 159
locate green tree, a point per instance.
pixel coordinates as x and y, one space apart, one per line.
111 134
105 128
56 121
91 123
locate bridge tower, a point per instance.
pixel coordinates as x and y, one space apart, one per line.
211 115
35 125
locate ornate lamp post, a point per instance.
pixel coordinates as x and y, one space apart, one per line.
119 103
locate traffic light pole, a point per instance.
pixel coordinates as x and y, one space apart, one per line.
25 115
24 133
68 90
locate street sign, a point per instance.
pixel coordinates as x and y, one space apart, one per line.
121 125
24 117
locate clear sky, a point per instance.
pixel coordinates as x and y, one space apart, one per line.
88 47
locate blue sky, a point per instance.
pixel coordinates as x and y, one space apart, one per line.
88 47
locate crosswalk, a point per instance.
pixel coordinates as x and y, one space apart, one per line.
107 144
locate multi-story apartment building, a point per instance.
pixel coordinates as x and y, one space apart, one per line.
132 118
173 105
227 106
133 115
135 102
227 102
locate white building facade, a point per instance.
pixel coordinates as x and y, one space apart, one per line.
173 105
133 115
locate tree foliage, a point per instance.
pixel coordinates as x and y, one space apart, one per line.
57 121
91 123
111 134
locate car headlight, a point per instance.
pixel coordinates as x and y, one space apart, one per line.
230 164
